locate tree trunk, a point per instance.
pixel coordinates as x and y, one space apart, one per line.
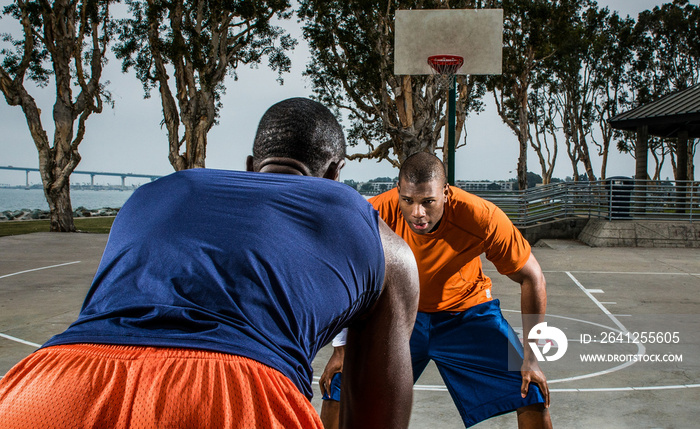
541 146
197 115
196 129
604 161
585 155
55 163
521 130
522 161
573 155
523 139
61 208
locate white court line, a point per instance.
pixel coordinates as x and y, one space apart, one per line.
596 302
592 374
19 340
442 388
641 273
437 388
641 350
39 269
628 389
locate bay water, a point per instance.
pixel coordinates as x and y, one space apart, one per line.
19 198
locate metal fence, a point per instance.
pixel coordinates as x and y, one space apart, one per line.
611 199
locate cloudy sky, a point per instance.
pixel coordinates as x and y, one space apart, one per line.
129 138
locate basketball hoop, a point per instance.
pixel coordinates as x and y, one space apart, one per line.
445 67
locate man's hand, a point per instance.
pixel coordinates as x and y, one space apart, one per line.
532 373
334 365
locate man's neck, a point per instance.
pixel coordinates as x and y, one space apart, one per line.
283 166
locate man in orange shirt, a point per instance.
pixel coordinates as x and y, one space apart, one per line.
459 325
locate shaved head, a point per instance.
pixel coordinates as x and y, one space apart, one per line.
422 167
303 130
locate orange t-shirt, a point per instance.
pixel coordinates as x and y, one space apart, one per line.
449 267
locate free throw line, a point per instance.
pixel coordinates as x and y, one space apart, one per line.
39 269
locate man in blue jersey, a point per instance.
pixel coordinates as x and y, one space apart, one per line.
217 288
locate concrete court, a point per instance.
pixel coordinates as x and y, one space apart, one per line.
593 291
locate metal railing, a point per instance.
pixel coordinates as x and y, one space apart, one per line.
611 199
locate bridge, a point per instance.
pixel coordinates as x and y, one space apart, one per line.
92 174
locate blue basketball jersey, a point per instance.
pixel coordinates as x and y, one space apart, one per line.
266 266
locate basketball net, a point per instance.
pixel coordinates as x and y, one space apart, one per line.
445 67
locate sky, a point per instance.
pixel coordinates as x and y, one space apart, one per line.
129 139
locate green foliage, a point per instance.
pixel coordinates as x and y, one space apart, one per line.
383 179
209 37
193 46
351 183
12 58
344 73
533 179
36 63
667 46
531 35
351 69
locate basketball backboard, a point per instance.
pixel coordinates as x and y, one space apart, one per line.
474 34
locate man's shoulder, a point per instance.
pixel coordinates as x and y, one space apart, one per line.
386 201
390 196
467 204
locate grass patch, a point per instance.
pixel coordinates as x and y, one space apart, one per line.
96 225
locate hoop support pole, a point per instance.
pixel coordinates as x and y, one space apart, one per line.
451 131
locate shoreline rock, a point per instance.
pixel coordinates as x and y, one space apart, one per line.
37 214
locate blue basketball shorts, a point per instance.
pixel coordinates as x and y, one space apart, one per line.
472 350
335 388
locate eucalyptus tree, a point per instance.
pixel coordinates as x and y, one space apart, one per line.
611 78
590 77
575 66
530 36
544 134
351 69
188 48
667 49
63 43
667 59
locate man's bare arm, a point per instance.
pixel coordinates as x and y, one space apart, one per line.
377 389
533 302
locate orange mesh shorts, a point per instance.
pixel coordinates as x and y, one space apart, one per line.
98 386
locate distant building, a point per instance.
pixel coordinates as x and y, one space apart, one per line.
376 188
476 186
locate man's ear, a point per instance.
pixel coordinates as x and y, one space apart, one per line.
446 190
249 163
333 170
